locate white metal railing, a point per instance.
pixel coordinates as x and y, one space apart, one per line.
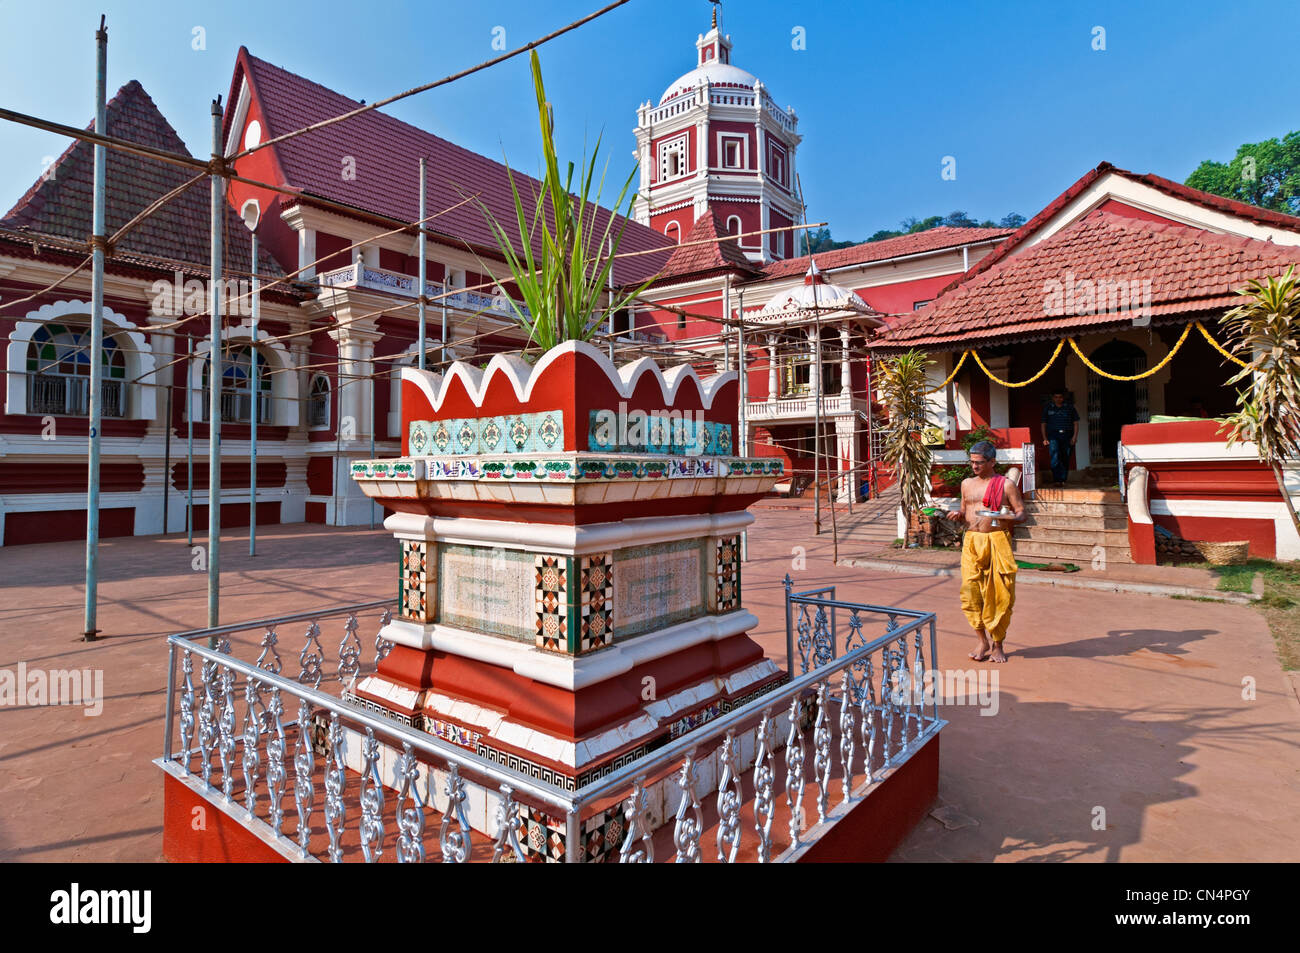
70 396
381 279
802 407
258 744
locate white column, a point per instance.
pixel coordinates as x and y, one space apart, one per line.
307 252
846 387
815 371
847 449
773 388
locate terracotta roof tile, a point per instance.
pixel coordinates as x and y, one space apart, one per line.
713 256
1206 199
60 203
386 152
933 239
1186 270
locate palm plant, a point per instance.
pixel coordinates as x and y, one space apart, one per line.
1266 327
562 279
903 385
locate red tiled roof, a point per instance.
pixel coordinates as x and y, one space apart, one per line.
1191 271
932 239
387 153
1206 199
60 203
712 256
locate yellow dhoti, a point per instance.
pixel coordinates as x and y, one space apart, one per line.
988 582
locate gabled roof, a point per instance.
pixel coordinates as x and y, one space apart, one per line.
932 239
1206 200
60 204
717 253
386 154
1191 272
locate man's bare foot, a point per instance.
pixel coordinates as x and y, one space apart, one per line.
981 654
998 655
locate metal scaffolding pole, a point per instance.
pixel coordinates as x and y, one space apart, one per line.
257 404
817 412
98 239
420 253
215 380
743 426
189 443
373 424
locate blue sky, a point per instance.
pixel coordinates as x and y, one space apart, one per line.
1013 90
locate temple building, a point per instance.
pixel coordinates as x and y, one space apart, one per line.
1112 294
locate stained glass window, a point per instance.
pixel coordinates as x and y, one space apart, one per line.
237 386
58 372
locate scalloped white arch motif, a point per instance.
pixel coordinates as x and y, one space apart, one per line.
284 387
523 376
139 355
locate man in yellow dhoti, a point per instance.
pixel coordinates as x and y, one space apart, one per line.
988 567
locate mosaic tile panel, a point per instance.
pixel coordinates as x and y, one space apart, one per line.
400 469
553 604
724 581
417 582
541 432
596 601
657 586
544 835
486 590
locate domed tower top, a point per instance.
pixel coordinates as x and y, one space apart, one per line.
717 140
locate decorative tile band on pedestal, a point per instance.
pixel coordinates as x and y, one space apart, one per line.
566 466
417 582
724 584
596 608
553 608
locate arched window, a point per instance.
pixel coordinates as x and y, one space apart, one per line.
237 387
673 230
58 372
318 403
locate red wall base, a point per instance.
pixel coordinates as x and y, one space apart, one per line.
219 840
876 826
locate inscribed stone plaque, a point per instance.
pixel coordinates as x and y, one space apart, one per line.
487 590
657 586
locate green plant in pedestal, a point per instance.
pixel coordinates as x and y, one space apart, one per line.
563 280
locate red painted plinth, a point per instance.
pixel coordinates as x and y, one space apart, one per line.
198 832
875 827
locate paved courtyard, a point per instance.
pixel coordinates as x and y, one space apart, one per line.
1121 730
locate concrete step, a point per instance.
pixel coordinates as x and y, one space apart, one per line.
1109 538
1077 495
1089 521
1074 508
1080 554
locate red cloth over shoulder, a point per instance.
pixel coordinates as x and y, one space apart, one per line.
994 491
